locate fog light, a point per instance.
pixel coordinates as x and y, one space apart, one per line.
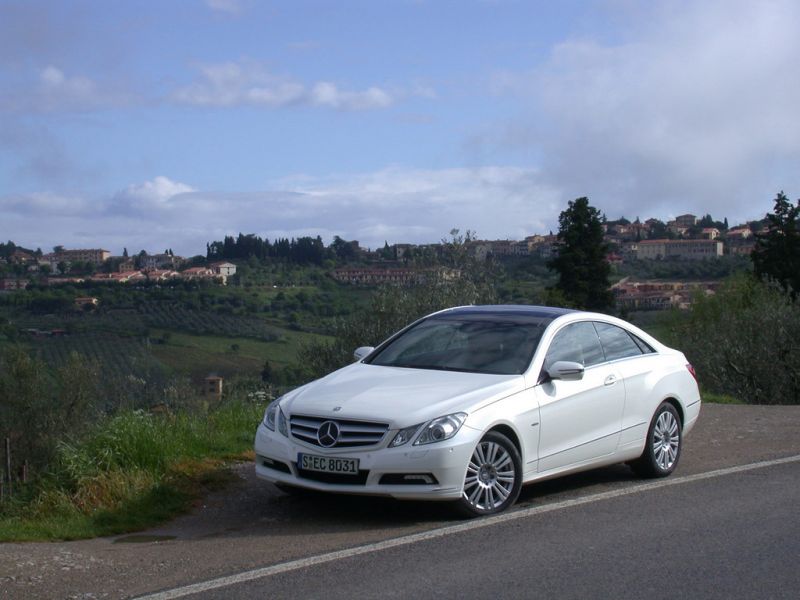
421 477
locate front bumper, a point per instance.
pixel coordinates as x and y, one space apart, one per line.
276 461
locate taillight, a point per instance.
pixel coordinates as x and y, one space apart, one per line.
691 370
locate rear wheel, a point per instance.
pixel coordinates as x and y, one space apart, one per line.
494 476
662 448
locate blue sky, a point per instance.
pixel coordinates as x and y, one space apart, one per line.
155 124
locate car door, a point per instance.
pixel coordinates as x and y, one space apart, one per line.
635 361
580 420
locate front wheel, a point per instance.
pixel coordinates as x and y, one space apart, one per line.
663 445
494 476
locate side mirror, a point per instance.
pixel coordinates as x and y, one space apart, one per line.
565 370
362 352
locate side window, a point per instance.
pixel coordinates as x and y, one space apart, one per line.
643 346
617 343
576 343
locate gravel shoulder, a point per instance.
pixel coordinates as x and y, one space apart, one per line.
252 524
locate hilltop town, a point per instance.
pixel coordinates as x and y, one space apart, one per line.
685 238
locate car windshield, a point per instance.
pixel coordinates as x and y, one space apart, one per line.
476 343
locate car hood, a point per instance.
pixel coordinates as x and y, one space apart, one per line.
398 396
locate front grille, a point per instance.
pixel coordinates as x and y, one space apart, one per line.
351 433
342 478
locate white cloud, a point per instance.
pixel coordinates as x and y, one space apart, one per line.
697 109
249 83
51 89
58 91
154 195
395 205
327 94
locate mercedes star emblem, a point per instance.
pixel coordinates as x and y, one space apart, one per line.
328 434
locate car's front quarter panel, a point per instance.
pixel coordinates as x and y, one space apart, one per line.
518 413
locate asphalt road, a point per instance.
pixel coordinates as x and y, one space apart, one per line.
735 536
719 532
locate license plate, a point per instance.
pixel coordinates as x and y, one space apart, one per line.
327 464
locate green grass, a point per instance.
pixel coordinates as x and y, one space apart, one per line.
200 354
719 398
131 471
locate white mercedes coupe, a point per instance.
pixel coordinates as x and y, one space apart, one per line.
468 404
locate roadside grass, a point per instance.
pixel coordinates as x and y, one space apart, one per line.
132 471
719 398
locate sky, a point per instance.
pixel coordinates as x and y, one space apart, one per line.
155 124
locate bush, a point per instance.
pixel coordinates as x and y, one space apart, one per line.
38 404
745 341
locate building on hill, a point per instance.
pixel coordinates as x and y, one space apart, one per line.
686 221
161 261
126 277
742 232
225 269
96 256
677 229
543 246
21 257
366 276
202 273
686 249
160 274
10 284
68 257
659 295
401 250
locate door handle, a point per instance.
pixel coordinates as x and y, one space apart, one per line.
610 380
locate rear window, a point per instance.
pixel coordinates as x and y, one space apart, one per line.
617 343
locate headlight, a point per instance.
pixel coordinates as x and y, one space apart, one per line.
441 429
404 435
274 416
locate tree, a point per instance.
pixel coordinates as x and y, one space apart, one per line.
581 262
777 251
658 229
345 251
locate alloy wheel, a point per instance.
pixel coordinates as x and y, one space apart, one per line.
491 476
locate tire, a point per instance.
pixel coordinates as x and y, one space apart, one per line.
493 479
662 448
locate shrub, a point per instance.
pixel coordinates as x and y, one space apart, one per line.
745 341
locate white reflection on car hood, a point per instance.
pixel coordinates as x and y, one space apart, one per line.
398 396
